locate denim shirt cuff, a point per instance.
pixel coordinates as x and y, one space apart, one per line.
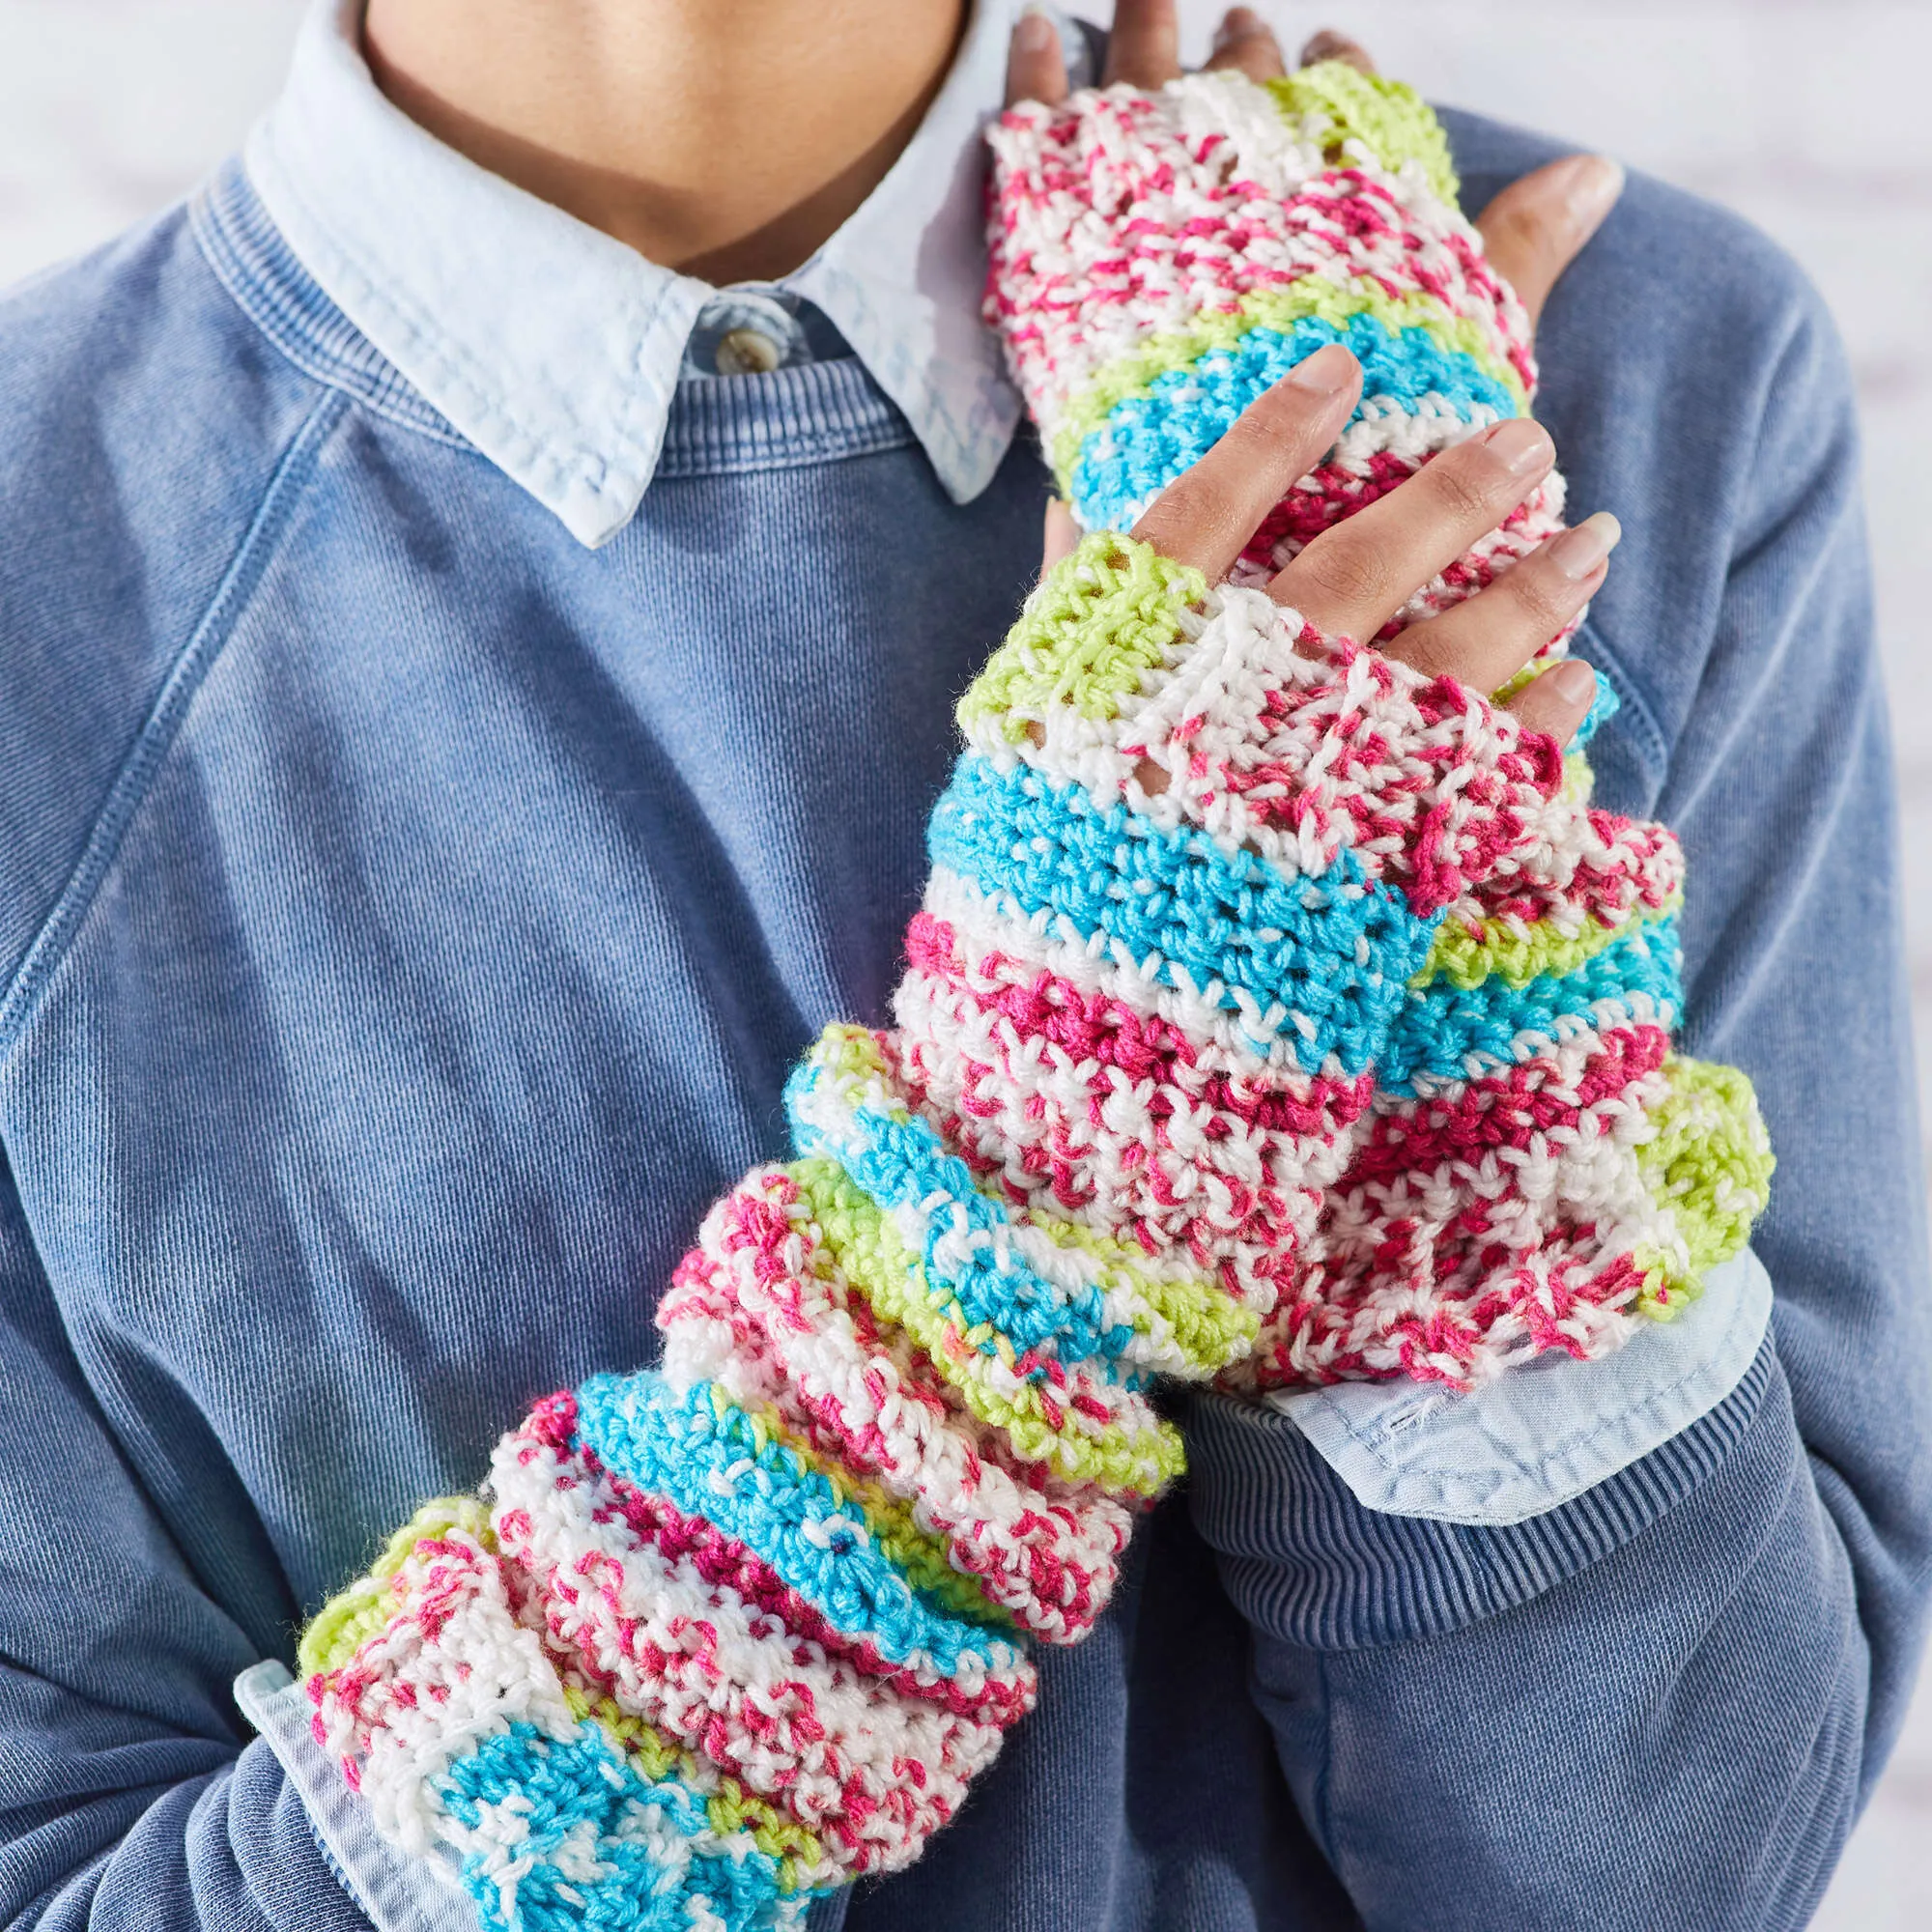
396 1892
1539 1435
1305 1561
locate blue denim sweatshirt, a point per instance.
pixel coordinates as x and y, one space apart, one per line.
407 916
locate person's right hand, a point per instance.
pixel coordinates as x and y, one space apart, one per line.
1350 580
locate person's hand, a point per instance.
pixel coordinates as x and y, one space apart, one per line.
1352 580
1532 231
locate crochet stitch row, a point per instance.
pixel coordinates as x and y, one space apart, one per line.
1340 1049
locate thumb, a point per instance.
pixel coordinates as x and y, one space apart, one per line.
1538 226
1060 536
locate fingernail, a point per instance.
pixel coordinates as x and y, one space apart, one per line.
1574 682
1239 23
1328 44
1519 444
1034 32
1590 189
1325 373
1577 552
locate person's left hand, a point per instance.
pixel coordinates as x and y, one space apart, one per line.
1532 231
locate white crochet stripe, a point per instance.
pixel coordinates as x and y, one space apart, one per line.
719 1676
1179 1178
1369 1327
1247 1042
900 1422
1282 153
1413 431
1578 1171
408 1703
1641 863
1206 112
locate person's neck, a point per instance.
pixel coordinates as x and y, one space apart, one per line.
723 138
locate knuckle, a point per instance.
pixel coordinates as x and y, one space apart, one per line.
1197 502
1424 652
1350 574
1541 597
1522 225
1467 491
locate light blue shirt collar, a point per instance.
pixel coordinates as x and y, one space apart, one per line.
554 349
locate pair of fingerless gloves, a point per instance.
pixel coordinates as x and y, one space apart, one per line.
1343 1051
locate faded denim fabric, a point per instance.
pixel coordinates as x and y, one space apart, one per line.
425 254
407 916
1542 1435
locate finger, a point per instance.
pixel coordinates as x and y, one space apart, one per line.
1488 638
1246 42
1060 537
1538 226
1352 578
1205 516
1558 701
1328 45
1143 49
1035 63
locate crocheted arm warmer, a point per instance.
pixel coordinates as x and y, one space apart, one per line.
1340 1053
1537 1168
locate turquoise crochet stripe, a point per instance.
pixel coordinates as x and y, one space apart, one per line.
905 1164
710 1461
1603 707
1335 952
1442 1026
586 1852
1149 439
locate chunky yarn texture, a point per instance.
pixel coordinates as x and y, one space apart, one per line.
1341 1047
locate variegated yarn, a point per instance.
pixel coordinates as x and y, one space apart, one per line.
1343 1051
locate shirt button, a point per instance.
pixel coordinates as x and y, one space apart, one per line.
747 352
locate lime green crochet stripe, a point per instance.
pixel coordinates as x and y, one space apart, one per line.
1103 618
731 1808
1334 102
852 1052
1468 955
1134 374
356 1614
1710 1163
889 1519
882 1268
1209 1326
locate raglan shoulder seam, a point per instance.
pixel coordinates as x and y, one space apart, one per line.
137 770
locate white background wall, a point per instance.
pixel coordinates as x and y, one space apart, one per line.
1808 116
